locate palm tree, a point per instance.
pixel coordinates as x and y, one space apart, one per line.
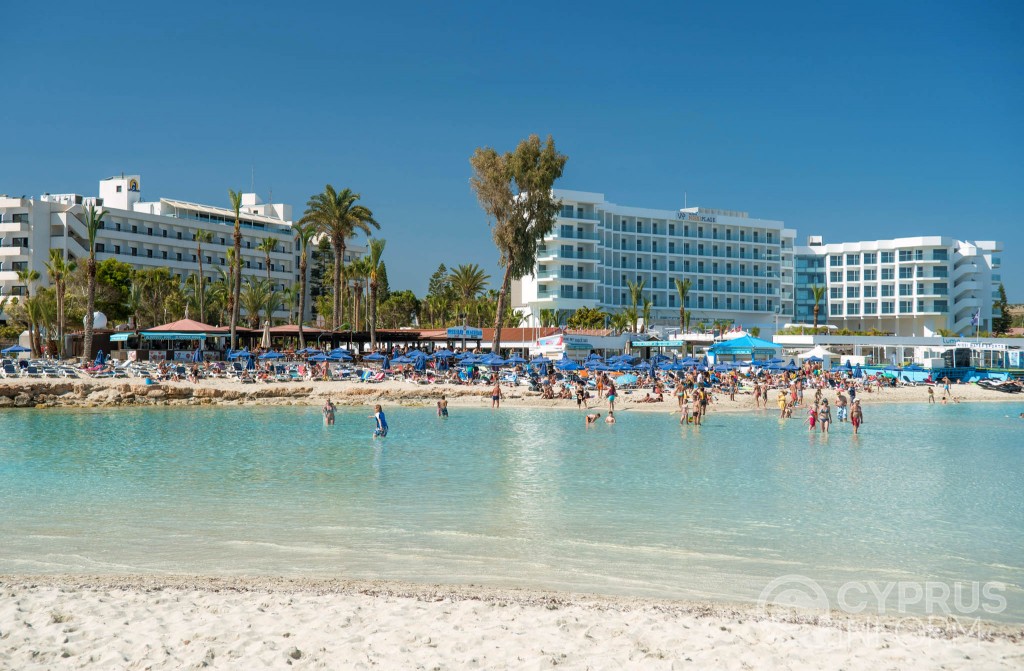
620 321
59 269
373 259
337 215
548 317
201 237
817 293
468 281
266 246
236 275
356 273
636 292
303 235
93 223
682 288
255 298
646 311
27 277
290 298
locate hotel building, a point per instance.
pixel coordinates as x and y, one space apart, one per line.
145 234
740 268
905 286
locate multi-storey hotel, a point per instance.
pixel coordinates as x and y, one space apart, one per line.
905 286
145 234
740 268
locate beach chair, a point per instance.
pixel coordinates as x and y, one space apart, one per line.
10 370
33 371
378 377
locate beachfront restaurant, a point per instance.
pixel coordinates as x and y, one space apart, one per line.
744 348
176 341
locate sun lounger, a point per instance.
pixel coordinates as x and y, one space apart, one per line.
10 370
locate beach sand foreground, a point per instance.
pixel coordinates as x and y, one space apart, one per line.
150 622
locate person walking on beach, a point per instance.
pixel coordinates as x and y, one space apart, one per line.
581 396
381 428
442 407
856 417
496 396
841 406
931 395
329 410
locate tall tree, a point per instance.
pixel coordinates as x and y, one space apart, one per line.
817 293
267 245
647 313
58 269
514 190
636 296
468 281
201 237
303 235
27 277
339 217
1004 322
682 288
375 266
236 270
93 223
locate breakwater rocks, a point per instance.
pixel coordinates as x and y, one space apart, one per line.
107 393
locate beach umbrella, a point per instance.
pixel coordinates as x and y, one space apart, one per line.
620 366
271 355
319 357
14 349
385 364
540 360
197 356
913 366
643 365
443 354
265 340
492 360
399 359
814 359
774 360
565 363
858 372
375 356
515 359
627 378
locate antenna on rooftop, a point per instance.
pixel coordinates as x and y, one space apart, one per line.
684 200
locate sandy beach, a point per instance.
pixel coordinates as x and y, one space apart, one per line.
128 622
49 393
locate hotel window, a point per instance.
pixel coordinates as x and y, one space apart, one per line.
164 254
906 255
940 255
179 258
870 308
179 235
149 253
870 274
835 309
940 289
671 248
853 276
906 289
906 272
654 246
888 307
835 276
135 251
700 285
887 257
135 229
906 307
943 271
671 229
888 290
639 227
920 305
941 306
853 308
870 291
919 255
654 264
836 292
836 260
654 228
887 273
920 271
870 258
99 247
671 266
853 292
671 300
700 301
853 259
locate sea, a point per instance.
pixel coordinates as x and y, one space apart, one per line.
744 508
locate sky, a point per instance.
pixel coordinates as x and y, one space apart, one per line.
849 120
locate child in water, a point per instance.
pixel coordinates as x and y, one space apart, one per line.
381 429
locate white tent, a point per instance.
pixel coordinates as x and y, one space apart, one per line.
819 352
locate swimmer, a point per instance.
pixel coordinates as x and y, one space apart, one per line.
329 410
442 407
610 419
381 428
593 417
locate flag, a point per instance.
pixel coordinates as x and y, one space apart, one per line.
976 317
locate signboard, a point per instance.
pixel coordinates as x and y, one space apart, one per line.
657 343
157 355
467 332
550 341
985 346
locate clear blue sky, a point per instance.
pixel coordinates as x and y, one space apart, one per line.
852 120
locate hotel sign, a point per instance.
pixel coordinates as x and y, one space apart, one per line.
986 346
699 218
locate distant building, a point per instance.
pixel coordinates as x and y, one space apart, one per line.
145 234
740 268
905 286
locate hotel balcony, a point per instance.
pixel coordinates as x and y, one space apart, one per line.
11 250
581 298
548 275
553 254
15 227
572 235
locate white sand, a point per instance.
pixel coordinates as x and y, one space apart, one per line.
231 623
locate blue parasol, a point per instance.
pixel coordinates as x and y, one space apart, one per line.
14 349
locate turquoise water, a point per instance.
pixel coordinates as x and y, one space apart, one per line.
520 497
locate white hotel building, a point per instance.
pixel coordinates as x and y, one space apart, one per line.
741 269
905 286
145 234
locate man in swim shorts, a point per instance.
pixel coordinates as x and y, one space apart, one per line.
442 407
496 396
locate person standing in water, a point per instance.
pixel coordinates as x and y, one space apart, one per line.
329 409
856 417
442 407
496 396
381 428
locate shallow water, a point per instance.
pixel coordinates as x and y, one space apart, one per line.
521 497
